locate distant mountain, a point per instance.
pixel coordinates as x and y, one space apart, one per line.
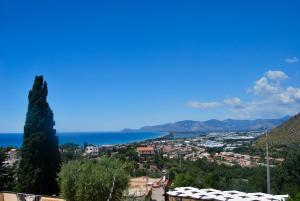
215 125
285 134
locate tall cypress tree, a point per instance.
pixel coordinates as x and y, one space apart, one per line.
40 159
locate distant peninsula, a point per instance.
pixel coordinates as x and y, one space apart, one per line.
214 125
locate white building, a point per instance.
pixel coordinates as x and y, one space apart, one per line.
91 150
12 157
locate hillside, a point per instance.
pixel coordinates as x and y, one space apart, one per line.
286 133
215 125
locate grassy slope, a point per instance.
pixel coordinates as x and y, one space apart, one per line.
287 133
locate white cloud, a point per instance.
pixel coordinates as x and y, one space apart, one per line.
203 105
292 60
266 109
234 102
290 95
263 87
271 99
276 75
269 84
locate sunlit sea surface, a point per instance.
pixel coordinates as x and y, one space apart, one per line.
96 138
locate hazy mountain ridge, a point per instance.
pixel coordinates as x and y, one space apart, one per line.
215 125
285 134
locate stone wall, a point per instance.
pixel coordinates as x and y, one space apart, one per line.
9 197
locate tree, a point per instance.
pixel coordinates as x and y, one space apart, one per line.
183 179
94 180
40 158
2 169
287 177
70 151
296 198
7 173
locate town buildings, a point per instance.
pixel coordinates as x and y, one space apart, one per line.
199 147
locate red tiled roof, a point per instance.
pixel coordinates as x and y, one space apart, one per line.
145 149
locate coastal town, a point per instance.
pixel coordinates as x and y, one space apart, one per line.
214 147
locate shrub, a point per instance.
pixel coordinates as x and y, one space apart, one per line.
93 180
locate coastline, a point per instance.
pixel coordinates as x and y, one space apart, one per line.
96 138
164 136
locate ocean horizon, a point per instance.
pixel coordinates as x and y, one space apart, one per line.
95 138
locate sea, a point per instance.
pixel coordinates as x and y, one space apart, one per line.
95 138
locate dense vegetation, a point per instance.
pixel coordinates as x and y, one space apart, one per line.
40 158
287 176
285 134
203 174
141 167
296 198
93 180
70 151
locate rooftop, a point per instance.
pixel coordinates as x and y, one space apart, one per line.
145 149
212 194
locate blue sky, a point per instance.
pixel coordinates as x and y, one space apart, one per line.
118 64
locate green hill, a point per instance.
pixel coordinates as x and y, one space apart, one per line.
285 134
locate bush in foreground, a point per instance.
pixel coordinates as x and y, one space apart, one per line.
93 180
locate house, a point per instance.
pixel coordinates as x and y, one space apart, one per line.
106 147
145 151
12 157
92 150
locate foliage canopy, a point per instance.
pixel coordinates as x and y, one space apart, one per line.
94 180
